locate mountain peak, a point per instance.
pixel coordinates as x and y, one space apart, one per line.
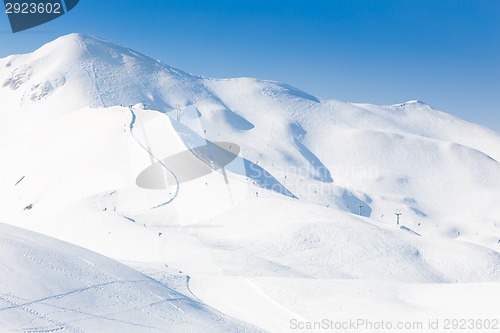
80 38
412 103
75 36
415 101
73 41
97 73
81 44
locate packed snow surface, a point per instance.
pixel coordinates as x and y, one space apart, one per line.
235 204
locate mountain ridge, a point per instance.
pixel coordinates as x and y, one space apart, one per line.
78 71
80 124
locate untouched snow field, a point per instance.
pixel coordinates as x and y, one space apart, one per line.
119 154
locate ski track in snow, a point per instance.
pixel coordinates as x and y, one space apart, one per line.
45 263
177 185
159 308
262 258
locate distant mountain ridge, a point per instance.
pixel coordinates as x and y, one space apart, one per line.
300 224
329 152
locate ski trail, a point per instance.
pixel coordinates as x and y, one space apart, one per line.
58 325
177 184
97 85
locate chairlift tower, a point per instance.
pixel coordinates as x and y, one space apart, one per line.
178 112
398 214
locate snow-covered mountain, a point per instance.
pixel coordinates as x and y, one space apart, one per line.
64 287
87 126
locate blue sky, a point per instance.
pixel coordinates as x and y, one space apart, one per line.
443 52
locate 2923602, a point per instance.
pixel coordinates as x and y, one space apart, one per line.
33 8
471 324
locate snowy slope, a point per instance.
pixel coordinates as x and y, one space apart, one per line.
83 121
47 286
386 158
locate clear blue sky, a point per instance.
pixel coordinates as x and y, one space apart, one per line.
443 52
